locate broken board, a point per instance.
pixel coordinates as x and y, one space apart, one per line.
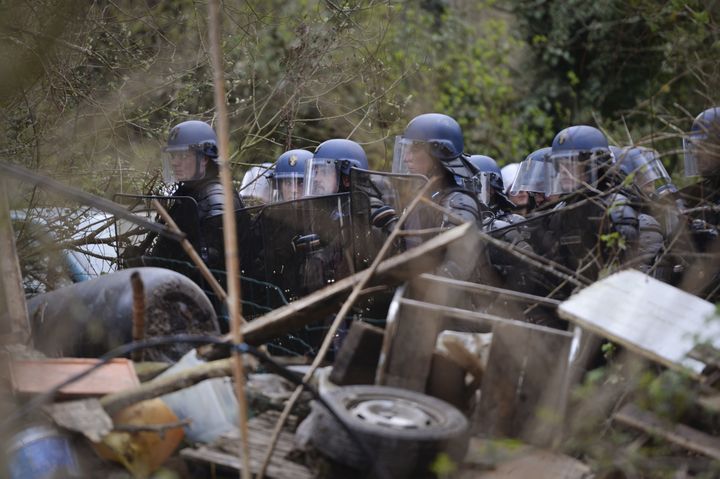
680 434
37 376
524 388
646 316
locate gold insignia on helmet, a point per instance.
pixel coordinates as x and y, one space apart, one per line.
293 160
562 139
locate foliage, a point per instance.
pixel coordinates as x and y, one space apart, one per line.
641 69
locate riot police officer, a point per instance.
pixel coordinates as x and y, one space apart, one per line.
190 160
579 171
530 178
289 175
490 186
432 145
702 159
519 199
328 171
654 196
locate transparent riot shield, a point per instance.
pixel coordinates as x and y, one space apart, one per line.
135 246
305 243
378 196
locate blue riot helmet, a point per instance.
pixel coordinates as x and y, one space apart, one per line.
328 171
580 157
429 142
488 179
289 175
702 146
531 174
191 152
648 172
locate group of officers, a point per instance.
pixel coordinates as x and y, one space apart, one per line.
579 208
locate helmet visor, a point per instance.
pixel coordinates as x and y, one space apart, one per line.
412 157
649 172
182 163
288 186
321 177
565 173
702 155
530 177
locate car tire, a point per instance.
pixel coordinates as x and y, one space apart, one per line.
403 430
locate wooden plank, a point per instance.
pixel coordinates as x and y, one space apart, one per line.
433 281
390 272
357 359
12 304
684 436
648 317
223 452
36 376
410 357
524 385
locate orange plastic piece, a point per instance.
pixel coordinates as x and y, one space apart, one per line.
142 453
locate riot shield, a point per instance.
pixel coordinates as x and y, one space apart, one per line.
133 242
374 191
571 234
305 244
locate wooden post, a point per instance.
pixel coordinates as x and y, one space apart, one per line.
138 310
11 280
232 259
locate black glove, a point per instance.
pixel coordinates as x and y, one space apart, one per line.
305 243
383 217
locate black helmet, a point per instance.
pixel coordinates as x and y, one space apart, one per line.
189 143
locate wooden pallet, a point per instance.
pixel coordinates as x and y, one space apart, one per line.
225 451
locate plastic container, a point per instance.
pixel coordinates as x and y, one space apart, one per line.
41 452
210 405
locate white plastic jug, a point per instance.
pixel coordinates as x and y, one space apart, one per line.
210 405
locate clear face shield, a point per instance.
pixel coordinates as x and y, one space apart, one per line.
182 163
530 177
321 177
701 154
412 157
650 174
288 187
570 171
